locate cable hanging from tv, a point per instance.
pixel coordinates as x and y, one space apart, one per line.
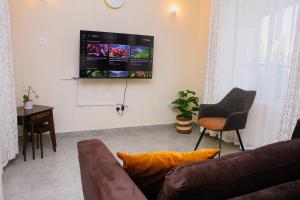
120 107
120 110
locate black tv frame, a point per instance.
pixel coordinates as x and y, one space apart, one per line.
119 37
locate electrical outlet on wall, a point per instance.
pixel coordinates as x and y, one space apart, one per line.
120 109
126 108
43 41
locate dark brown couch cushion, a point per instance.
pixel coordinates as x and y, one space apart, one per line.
148 170
285 191
103 178
236 174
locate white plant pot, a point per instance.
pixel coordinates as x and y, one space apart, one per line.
28 105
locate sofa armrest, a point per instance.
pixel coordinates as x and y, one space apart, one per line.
103 178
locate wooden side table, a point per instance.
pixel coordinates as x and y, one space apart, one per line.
26 116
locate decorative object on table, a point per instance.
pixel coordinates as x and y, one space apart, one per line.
115 4
28 102
187 105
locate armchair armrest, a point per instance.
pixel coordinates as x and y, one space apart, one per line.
236 120
211 110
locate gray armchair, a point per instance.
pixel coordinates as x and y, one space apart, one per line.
229 114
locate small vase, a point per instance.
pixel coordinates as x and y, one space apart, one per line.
28 105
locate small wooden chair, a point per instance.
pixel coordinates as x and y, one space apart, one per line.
39 124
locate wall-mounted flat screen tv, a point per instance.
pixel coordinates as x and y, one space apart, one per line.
115 55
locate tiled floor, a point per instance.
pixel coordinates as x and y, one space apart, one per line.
57 176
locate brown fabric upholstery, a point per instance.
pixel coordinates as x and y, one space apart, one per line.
103 178
212 123
236 174
285 191
148 170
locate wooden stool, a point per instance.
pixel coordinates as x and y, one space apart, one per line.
39 136
39 124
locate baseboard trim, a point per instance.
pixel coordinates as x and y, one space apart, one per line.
114 129
80 132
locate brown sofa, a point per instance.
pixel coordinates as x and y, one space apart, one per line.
269 172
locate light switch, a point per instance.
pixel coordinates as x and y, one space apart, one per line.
43 41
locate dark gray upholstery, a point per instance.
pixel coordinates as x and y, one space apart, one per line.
296 133
234 106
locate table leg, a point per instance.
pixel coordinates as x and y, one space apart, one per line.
52 132
41 139
24 138
32 140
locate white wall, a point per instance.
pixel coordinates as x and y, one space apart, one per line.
179 58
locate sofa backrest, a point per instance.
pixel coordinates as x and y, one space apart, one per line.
236 174
289 191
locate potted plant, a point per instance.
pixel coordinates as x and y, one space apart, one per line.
28 102
187 105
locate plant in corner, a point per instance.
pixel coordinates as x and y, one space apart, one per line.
187 104
28 103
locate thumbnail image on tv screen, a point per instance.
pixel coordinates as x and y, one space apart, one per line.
115 55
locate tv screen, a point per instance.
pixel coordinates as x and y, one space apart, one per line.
115 55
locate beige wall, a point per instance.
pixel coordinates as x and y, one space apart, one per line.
179 58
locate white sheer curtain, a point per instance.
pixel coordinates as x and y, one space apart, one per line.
252 46
8 116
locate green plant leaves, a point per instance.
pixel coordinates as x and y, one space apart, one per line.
25 98
182 94
187 103
191 92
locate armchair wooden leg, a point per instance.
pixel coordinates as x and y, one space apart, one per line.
240 139
200 138
220 142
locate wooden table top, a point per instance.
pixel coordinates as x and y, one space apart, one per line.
36 109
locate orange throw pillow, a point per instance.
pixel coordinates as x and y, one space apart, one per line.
149 169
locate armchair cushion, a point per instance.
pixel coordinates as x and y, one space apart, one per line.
212 123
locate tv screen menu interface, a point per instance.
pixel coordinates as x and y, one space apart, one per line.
115 55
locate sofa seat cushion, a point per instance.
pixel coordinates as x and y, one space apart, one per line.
149 169
212 123
289 190
236 174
